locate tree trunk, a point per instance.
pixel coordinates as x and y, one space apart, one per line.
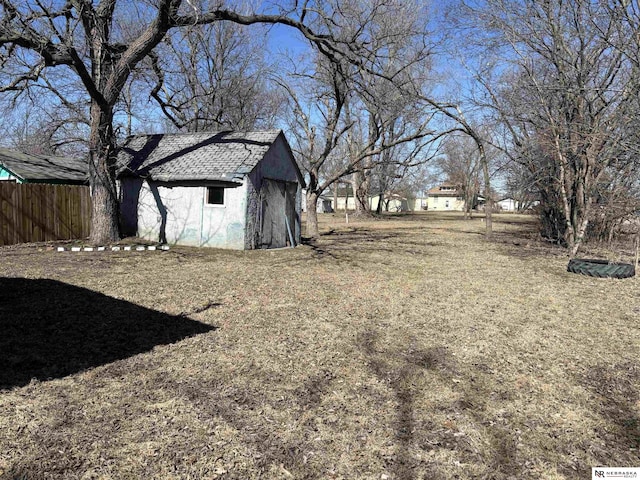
360 184
312 214
466 204
488 209
102 177
380 201
581 230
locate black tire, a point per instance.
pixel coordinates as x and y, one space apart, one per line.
600 268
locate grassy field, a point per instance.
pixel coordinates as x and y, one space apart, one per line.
402 348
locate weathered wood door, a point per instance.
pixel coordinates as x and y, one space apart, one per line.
278 213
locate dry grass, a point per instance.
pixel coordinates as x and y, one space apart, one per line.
405 348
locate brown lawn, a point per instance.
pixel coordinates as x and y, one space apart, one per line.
403 348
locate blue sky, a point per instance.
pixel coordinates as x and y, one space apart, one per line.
284 39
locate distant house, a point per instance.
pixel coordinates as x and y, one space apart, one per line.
418 203
344 200
236 190
445 197
25 168
508 204
323 205
392 202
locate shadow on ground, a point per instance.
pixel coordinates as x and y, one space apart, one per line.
51 329
345 245
409 373
615 389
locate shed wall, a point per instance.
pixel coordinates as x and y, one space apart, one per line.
180 215
276 165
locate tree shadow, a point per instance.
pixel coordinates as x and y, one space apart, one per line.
615 389
140 156
401 371
52 329
347 245
401 381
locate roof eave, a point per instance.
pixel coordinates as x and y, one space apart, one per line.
57 181
196 179
12 173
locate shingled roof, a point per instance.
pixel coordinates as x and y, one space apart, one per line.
445 190
203 156
44 168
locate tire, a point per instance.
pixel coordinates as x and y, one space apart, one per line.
600 268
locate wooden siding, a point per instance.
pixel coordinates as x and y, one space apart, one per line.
40 213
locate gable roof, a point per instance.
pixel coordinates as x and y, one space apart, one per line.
444 190
44 168
202 156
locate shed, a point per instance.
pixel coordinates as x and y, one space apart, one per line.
236 190
26 168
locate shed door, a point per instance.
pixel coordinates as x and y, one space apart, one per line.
278 207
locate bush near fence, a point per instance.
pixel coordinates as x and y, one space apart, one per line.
39 212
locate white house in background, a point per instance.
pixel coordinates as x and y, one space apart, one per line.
512 205
394 201
323 205
445 197
345 198
237 190
391 202
508 204
418 203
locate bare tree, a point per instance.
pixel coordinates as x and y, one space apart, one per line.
568 97
387 93
461 165
453 112
320 124
392 180
214 77
87 41
346 115
521 185
43 133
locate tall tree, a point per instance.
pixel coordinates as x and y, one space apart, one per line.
87 40
359 109
215 76
461 165
568 96
320 124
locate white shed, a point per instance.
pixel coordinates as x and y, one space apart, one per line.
236 190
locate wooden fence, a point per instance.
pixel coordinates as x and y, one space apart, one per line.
38 212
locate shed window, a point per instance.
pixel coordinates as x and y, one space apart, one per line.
215 196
